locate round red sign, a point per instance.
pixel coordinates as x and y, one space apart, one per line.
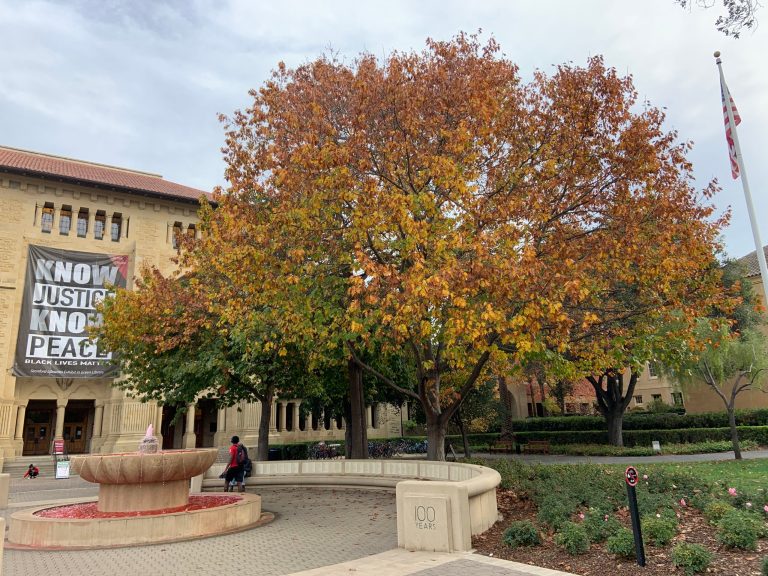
631 476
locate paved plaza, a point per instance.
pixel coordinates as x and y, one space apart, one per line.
316 532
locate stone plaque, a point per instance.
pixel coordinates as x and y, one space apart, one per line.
428 523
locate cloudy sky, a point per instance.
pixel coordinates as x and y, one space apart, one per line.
139 83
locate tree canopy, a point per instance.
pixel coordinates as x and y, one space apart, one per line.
739 14
433 208
433 203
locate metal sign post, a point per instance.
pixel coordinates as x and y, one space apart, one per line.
630 476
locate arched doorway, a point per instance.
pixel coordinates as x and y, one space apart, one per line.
205 423
78 420
38 427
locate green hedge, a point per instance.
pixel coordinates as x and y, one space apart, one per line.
758 434
639 421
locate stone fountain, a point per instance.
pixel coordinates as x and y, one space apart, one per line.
149 480
143 498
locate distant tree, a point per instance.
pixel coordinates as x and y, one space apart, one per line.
481 407
740 14
728 352
728 363
560 390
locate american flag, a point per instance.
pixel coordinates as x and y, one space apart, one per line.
728 135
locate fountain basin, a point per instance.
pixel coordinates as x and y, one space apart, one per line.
135 482
28 529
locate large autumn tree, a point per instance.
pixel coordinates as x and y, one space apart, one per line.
434 204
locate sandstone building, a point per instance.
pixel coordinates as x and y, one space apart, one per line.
87 215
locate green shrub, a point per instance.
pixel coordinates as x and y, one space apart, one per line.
716 509
692 558
555 511
738 529
644 421
764 566
700 501
622 543
521 533
599 525
658 531
654 503
573 538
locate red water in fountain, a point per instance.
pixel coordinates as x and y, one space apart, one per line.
89 510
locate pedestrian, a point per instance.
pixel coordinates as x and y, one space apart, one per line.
234 471
32 471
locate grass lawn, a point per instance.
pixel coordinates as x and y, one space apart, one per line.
744 475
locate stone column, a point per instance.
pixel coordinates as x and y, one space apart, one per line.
272 418
98 418
220 437
60 407
21 414
283 406
56 220
158 421
91 223
343 423
295 422
369 416
189 434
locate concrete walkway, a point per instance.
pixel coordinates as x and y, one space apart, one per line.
316 532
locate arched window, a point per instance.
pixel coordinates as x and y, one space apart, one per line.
82 223
117 226
46 219
65 220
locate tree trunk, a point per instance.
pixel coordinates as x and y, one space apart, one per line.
544 411
357 425
506 408
262 451
613 400
436 432
734 432
347 429
463 431
615 419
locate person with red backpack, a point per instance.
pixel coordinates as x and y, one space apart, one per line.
235 470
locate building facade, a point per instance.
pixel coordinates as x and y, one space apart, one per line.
87 213
701 398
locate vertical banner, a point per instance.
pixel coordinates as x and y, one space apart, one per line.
61 291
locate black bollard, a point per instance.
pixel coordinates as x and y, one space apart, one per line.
631 478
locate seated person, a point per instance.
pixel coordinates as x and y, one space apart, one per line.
32 471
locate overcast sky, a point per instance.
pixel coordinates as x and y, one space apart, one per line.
139 83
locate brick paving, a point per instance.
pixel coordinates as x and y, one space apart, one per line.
313 527
316 532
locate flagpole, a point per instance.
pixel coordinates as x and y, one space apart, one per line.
744 181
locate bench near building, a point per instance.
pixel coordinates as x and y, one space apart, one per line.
69 229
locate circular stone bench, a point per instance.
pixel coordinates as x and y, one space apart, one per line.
440 505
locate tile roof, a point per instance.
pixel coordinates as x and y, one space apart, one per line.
81 172
749 263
